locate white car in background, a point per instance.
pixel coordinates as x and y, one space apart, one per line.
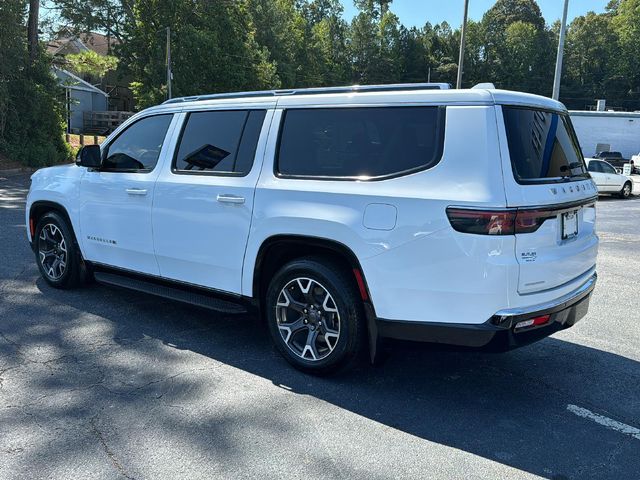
607 179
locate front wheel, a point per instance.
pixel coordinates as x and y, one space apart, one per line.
315 315
57 254
626 190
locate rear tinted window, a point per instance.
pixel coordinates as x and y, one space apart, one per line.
219 141
543 146
360 142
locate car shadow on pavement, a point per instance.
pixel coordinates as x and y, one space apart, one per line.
510 408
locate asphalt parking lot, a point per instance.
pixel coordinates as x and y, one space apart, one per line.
104 383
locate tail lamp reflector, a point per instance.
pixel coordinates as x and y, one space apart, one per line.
533 322
361 285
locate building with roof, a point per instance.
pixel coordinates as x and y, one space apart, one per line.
82 90
81 97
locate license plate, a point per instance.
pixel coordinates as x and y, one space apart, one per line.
569 224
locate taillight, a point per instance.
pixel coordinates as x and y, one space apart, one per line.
483 222
528 221
533 322
497 222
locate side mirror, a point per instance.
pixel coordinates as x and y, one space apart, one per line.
89 156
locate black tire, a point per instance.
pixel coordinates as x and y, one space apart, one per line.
74 271
344 297
626 190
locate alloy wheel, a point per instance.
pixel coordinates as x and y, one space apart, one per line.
52 249
308 319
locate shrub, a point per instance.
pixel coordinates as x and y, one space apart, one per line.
31 110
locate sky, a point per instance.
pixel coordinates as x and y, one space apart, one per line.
418 12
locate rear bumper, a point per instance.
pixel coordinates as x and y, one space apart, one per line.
499 333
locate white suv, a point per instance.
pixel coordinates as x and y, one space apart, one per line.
344 215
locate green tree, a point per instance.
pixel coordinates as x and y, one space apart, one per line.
502 38
521 43
375 45
31 123
375 8
475 64
213 49
442 45
90 63
296 43
626 24
363 50
591 59
413 56
390 48
280 28
328 60
108 16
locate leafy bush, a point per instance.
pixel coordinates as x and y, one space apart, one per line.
31 110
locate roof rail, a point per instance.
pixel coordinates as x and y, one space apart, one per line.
314 91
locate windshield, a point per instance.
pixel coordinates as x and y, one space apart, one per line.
543 146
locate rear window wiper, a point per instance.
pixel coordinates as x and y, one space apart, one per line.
572 166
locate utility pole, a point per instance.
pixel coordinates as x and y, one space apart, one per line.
558 74
462 40
168 63
32 29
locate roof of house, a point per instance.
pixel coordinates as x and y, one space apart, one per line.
67 43
75 82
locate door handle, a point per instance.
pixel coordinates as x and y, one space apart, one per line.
137 191
225 198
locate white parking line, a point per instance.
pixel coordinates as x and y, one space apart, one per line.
605 421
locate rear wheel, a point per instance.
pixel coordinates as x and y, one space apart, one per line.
315 315
57 254
626 190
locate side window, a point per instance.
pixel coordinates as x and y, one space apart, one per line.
606 168
360 142
595 166
138 147
221 141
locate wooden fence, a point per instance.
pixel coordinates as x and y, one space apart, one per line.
81 140
103 123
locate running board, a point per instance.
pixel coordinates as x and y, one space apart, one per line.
171 293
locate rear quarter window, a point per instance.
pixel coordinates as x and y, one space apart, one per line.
542 146
360 143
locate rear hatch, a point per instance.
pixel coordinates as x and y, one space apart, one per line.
546 180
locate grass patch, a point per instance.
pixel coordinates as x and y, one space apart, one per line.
74 140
